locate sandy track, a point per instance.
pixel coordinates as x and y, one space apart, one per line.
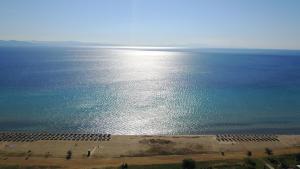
130 149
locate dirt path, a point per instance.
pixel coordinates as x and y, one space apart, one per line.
80 163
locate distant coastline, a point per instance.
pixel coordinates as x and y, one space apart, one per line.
35 43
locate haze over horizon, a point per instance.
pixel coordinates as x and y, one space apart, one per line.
228 24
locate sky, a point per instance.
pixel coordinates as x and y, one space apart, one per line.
197 23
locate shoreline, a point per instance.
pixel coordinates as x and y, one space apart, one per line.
257 131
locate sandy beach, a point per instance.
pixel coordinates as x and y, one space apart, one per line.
139 150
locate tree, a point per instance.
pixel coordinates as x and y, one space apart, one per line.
273 161
284 164
298 158
188 164
250 164
249 153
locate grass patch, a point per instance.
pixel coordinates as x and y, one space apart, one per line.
247 163
199 165
28 167
165 147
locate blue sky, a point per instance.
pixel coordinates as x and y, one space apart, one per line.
210 23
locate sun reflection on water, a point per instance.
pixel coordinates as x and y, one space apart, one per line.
142 75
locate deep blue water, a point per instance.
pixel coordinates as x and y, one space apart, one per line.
149 90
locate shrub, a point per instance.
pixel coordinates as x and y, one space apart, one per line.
188 164
250 164
249 153
284 164
69 155
269 151
298 158
273 161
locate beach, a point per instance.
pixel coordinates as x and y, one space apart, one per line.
141 150
149 84
160 105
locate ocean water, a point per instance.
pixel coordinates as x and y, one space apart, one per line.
122 90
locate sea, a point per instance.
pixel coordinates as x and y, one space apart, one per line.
149 90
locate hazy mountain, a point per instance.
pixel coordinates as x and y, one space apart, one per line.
48 43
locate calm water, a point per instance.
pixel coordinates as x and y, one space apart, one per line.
149 90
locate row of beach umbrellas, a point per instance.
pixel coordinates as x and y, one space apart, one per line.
29 137
247 138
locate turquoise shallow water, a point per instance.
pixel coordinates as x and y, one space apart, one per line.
149 90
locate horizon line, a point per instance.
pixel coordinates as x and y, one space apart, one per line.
103 44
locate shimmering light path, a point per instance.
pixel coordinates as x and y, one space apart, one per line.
127 90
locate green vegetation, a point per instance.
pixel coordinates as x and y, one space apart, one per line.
283 161
297 156
250 164
188 164
69 155
27 167
249 153
269 151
